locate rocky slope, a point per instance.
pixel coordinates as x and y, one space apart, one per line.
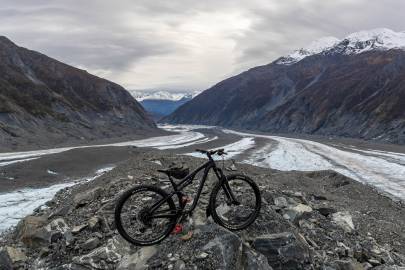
44 102
316 220
353 87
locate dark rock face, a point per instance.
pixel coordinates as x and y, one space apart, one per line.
43 101
283 250
360 96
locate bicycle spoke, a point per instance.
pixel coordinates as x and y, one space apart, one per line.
137 220
240 210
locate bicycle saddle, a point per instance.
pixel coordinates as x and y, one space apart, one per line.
177 172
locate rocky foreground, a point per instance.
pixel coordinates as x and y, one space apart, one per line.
318 220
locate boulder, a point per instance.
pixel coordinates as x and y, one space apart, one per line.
59 225
347 265
94 222
281 202
10 257
138 260
295 212
225 249
30 231
61 211
85 197
253 260
79 228
179 265
283 250
33 232
5 261
343 220
105 257
91 244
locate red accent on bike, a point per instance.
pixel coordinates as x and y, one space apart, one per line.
177 229
186 199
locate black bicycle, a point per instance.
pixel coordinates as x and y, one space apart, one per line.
145 215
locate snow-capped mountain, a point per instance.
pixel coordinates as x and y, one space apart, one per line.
352 87
359 42
162 95
162 103
315 47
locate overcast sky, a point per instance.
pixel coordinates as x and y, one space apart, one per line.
183 44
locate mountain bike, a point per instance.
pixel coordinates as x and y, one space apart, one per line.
146 215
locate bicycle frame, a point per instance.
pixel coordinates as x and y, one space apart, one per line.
210 164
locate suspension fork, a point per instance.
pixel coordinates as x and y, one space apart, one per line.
225 186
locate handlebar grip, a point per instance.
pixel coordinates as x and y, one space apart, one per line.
221 152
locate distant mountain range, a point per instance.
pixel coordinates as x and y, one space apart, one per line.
162 103
44 102
140 95
353 87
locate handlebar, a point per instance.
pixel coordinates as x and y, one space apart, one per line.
219 152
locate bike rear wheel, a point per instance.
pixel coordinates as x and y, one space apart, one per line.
238 214
136 223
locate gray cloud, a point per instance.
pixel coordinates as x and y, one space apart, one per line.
182 44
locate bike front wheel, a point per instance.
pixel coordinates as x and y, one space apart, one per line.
135 220
235 203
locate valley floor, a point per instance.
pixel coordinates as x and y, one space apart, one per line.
34 177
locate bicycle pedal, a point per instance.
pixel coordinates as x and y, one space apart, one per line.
177 229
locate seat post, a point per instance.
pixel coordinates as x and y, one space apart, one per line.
173 183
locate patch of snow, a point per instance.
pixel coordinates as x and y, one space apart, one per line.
52 172
380 38
185 137
162 95
5 163
232 149
315 47
355 43
158 162
17 204
304 155
176 146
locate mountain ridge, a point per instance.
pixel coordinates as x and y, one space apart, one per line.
350 95
140 95
358 42
45 102
162 103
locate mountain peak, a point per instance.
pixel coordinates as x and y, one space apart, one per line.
375 39
315 47
373 33
162 95
355 43
4 39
